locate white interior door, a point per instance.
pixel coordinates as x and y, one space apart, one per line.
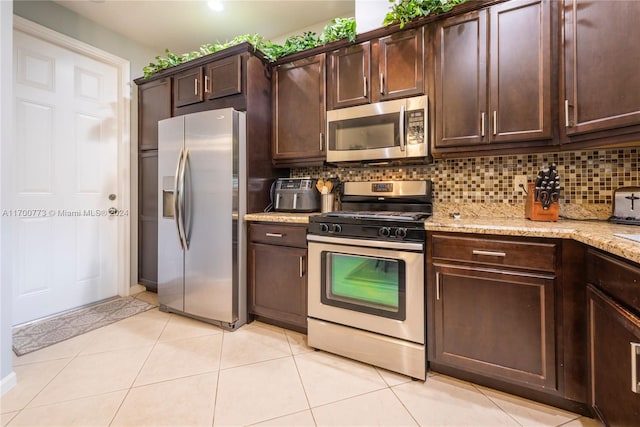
66 167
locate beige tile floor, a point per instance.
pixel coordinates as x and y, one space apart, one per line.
160 369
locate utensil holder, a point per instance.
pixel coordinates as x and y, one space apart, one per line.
534 210
327 202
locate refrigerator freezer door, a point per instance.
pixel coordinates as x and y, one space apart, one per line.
209 285
170 254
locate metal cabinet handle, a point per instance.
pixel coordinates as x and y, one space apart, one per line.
321 141
401 128
206 84
566 113
635 352
495 122
273 234
195 87
302 266
489 253
382 83
437 286
482 124
364 93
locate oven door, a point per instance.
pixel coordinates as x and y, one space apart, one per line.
377 286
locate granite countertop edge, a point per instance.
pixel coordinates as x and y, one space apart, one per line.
595 233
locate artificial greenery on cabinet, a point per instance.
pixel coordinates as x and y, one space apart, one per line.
337 29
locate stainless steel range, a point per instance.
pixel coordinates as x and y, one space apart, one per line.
366 275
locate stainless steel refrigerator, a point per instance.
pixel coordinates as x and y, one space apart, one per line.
202 202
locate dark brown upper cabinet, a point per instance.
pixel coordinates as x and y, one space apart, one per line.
299 112
188 87
493 77
385 68
349 76
154 103
223 78
601 57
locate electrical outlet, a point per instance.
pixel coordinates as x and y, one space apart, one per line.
520 180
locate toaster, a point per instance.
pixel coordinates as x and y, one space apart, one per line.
626 206
295 195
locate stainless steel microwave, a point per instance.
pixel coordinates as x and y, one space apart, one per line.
389 130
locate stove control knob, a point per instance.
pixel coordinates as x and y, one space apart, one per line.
324 228
336 228
401 232
384 231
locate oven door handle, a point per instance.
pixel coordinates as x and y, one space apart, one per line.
381 244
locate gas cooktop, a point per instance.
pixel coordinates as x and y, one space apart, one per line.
380 215
389 210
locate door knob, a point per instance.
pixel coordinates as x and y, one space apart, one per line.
113 211
112 196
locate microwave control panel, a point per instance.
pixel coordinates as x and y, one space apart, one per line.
415 127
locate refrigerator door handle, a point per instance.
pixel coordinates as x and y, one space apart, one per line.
185 203
181 223
176 197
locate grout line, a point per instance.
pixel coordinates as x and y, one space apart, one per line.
215 400
402 403
479 390
115 414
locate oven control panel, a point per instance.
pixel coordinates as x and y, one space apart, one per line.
369 231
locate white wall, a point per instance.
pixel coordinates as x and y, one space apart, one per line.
370 14
7 377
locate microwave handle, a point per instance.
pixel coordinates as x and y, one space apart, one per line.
401 127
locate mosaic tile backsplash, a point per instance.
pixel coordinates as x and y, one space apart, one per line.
587 179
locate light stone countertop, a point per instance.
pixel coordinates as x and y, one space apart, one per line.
596 233
286 217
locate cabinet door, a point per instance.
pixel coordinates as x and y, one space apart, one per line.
495 323
223 77
400 65
299 111
148 220
187 87
461 80
602 59
349 76
614 360
520 71
154 103
277 280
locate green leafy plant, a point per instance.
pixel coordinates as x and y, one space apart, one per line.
337 29
404 11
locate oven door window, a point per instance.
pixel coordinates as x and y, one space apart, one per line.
365 133
366 284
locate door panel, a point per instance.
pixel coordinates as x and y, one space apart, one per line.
461 80
601 89
209 190
66 149
401 65
520 72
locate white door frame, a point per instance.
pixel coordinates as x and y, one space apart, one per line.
123 255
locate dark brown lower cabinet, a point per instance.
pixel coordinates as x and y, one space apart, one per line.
613 297
148 220
494 313
277 274
497 323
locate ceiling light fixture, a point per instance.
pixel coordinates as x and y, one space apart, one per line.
215 5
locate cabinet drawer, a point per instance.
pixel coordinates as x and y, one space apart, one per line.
279 234
505 253
618 278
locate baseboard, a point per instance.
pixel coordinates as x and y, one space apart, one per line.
8 383
136 289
